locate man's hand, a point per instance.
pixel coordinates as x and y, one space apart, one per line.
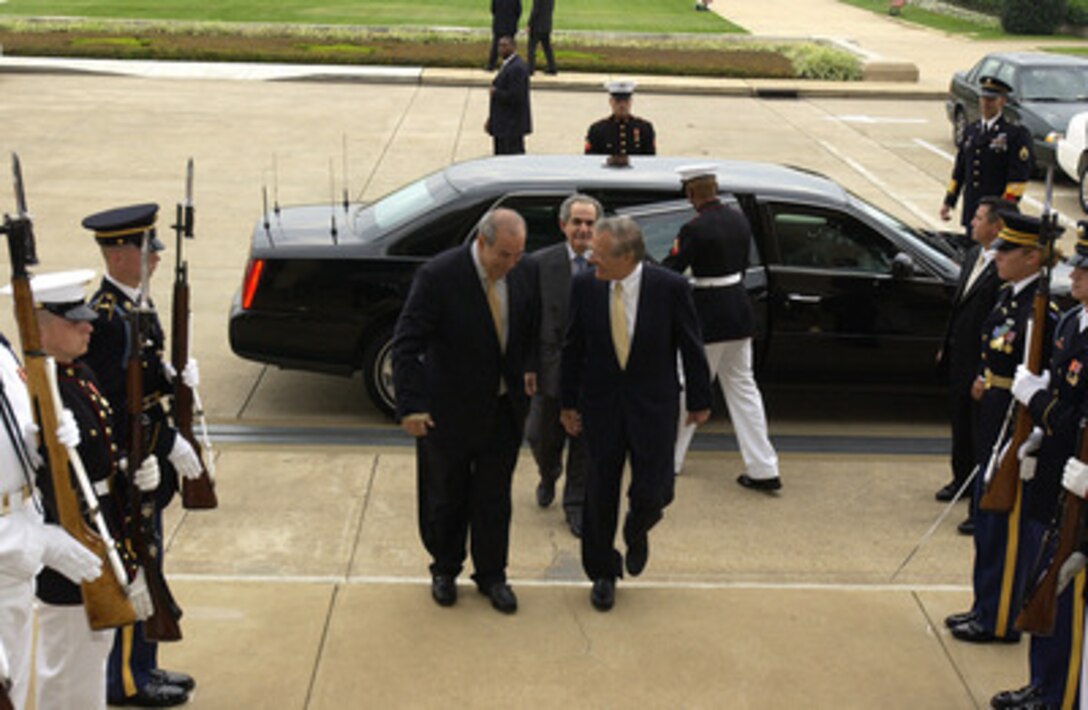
68 557
699 417
184 459
977 388
417 424
190 374
147 476
140 597
946 212
1026 384
67 429
1070 569
530 384
571 421
1075 477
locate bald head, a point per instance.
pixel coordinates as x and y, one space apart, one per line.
500 242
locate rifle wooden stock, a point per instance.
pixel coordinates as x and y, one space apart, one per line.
1041 606
105 601
196 494
5 701
1000 495
162 625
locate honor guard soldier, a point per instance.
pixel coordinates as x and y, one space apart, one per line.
1019 258
71 657
621 133
1058 401
993 158
714 246
134 677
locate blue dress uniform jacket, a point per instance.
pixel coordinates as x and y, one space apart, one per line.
108 357
997 162
714 244
79 392
630 136
997 576
1060 411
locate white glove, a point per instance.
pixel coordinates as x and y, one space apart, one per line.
147 475
169 371
1024 454
1075 477
140 597
190 374
64 554
184 459
67 429
30 438
1025 384
5 670
1069 570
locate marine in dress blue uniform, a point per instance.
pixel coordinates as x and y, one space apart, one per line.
134 676
997 580
621 133
1058 402
994 157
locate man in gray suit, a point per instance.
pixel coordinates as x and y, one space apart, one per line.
557 264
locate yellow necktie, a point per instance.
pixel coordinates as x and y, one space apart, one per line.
619 325
496 312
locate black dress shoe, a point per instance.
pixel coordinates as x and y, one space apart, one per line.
974 632
638 551
444 589
948 492
603 595
759 484
181 680
155 695
967 527
574 522
502 597
1015 698
545 493
963 617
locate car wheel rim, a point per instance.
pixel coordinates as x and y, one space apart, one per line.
383 374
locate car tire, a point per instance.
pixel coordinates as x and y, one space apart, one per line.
1082 192
378 370
959 125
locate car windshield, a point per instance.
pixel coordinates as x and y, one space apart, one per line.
901 231
1054 84
402 206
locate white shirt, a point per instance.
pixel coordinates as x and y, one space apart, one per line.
132 293
632 284
1024 283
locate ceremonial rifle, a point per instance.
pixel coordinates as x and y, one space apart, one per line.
1000 495
162 625
104 599
196 493
1040 609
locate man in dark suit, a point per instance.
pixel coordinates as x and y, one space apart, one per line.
961 349
460 353
994 157
714 246
558 264
621 390
509 117
540 30
504 23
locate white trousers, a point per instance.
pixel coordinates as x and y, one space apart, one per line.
70 665
17 635
731 361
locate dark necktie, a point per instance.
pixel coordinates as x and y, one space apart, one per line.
580 264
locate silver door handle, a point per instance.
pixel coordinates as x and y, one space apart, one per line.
802 298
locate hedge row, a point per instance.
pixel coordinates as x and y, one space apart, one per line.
1031 16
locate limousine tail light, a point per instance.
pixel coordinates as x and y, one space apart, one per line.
251 281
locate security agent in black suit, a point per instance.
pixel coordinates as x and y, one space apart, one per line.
509 117
461 351
504 23
540 31
547 438
133 672
960 350
621 133
621 390
994 157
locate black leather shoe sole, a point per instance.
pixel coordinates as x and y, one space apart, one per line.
759 484
181 680
967 527
974 632
155 695
1020 697
502 597
545 493
947 493
953 620
638 552
444 590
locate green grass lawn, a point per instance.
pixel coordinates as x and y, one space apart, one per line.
602 15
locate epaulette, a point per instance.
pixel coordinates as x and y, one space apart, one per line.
106 303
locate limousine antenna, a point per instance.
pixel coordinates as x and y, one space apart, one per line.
275 187
264 216
344 152
332 212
